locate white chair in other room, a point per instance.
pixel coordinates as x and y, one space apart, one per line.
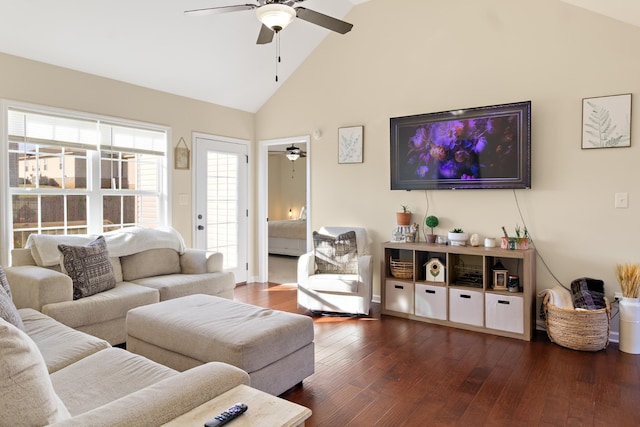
337 293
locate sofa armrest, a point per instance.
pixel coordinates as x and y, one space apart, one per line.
365 271
34 287
306 268
198 261
165 400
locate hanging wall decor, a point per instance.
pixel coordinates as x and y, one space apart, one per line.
350 141
606 121
182 155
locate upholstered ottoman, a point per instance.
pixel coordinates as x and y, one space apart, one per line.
274 347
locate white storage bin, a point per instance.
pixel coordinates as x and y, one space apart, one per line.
466 306
504 312
431 301
398 296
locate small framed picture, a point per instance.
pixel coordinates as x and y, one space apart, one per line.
606 121
350 143
500 279
182 155
182 158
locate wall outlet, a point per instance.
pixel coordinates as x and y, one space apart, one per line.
617 296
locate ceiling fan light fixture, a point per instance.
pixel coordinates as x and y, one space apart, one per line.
276 16
293 153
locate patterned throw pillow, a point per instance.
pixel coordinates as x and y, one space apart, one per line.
8 310
336 255
4 282
89 268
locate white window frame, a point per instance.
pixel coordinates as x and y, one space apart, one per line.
94 216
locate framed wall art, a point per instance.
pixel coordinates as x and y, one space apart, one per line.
182 155
606 121
350 143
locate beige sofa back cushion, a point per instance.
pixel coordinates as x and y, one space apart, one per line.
27 396
153 262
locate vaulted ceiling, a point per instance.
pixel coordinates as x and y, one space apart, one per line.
152 43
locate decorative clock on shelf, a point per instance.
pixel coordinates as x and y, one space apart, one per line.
434 270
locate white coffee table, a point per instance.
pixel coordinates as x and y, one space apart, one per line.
264 410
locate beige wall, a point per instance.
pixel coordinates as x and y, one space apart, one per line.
416 56
287 190
38 83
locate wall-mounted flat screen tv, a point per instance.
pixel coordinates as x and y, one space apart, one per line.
482 147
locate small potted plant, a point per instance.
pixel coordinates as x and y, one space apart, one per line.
522 242
458 237
404 217
431 221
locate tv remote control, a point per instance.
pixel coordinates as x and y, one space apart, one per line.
231 413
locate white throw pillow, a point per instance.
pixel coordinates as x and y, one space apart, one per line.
27 397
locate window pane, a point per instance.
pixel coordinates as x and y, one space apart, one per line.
129 209
73 168
52 211
77 211
112 210
148 211
109 175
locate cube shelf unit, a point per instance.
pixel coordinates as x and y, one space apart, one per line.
465 297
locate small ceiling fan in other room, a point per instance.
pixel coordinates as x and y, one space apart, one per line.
275 15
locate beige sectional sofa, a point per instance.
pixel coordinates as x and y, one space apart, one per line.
156 270
54 375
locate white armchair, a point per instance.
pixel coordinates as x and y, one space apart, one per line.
340 293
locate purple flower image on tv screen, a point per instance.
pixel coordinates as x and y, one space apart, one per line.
464 149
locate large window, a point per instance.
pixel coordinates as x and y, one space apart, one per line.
70 173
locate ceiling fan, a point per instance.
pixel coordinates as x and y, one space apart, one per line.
275 15
292 152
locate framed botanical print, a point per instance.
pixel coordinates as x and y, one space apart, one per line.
350 144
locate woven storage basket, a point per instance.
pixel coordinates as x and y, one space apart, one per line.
401 269
586 330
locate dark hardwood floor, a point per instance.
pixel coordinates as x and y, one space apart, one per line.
385 371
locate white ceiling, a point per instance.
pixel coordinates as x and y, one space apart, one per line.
151 43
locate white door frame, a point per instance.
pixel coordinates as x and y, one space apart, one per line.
194 146
263 202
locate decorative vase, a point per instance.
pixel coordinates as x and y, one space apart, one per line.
630 325
458 239
522 243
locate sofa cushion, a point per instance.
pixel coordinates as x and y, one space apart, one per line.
153 262
8 310
89 268
102 307
27 397
59 344
120 373
178 285
336 255
337 283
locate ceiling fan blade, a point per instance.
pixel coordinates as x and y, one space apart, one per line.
265 36
219 9
323 20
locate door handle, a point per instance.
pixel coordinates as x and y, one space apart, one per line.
201 227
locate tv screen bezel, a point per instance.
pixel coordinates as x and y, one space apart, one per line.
522 178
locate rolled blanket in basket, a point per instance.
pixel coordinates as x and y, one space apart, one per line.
558 296
588 293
